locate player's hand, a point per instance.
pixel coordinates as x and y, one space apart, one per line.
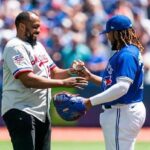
85 73
81 70
78 82
78 65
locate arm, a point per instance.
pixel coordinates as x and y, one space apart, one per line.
58 73
31 80
90 76
116 91
95 79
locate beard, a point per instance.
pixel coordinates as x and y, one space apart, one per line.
114 46
30 38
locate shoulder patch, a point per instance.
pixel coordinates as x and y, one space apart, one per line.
18 59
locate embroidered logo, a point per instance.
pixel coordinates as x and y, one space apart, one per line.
112 27
18 59
108 80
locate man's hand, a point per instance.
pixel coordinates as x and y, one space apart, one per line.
78 82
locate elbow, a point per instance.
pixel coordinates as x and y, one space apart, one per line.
27 85
27 79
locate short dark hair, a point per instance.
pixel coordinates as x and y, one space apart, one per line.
22 18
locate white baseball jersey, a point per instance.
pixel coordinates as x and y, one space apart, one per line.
19 57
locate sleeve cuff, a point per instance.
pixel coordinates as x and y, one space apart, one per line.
52 66
18 72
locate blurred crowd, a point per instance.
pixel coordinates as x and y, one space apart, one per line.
70 28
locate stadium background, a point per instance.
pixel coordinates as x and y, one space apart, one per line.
70 30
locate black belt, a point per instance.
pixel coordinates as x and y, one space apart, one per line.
107 106
115 106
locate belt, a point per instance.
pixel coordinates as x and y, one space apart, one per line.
118 106
107 106
114 106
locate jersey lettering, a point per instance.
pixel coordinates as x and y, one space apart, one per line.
41 60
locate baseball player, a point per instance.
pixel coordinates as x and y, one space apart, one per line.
122 83
29 73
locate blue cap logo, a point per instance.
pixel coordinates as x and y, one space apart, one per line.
112 27
116 23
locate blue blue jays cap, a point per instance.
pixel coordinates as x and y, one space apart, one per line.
116 23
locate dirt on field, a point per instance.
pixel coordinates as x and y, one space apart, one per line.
79 134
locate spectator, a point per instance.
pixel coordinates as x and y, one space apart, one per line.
99 57
77 50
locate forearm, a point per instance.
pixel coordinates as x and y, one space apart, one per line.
59 73
33 81
116 91
95 79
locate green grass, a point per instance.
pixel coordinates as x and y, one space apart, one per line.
6 145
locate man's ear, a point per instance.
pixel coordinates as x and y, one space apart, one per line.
22 27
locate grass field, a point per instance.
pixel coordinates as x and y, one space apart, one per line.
5 145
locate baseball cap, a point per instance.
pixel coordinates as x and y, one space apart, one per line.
117 22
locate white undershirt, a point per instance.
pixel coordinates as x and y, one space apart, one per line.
114 92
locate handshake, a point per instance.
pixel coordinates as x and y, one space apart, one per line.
80 76
78 67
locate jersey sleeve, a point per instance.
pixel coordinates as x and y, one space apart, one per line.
17 60
126 67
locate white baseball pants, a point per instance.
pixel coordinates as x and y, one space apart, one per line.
121 125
